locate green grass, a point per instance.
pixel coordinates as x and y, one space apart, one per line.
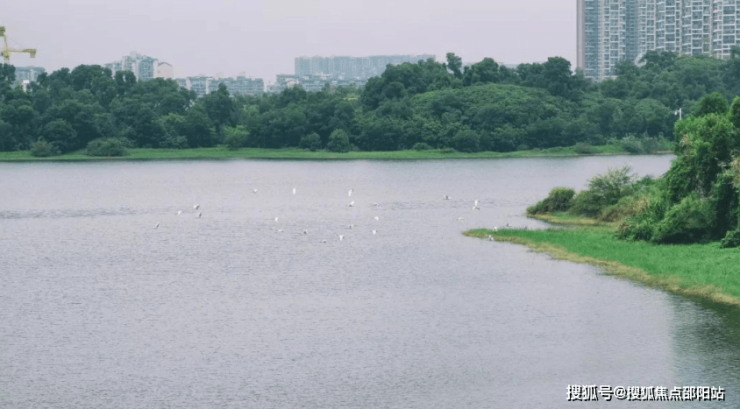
700 270
569 219
292 153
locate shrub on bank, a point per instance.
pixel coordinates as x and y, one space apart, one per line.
584 148
731 240
560 199
604 191
690 221
338 141
311 142
106 147
42 149
235 137
421 146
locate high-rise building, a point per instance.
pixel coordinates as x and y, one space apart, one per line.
241 84
29 74
344 67
143 67
198 84
611 31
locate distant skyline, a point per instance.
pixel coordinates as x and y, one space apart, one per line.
262 38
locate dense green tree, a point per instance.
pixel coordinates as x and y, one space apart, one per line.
338 141
714 103
219 106
60 133
484 72
454 64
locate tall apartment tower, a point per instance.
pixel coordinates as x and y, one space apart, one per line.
611 31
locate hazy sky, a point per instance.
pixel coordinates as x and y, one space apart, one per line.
261 38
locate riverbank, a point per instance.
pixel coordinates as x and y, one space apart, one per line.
699 270
292 153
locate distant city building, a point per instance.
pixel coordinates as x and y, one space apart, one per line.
239 85
198 84
165 70
29 74
611 31
143 67
343 67
313 83
314 73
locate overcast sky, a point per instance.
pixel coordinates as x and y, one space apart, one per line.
261 38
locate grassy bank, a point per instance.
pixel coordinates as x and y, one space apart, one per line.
258 153
699 270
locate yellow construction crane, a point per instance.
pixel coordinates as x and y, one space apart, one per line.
6 51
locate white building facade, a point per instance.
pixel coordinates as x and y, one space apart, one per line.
611 31
143 67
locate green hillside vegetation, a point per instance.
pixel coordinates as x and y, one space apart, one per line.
428 105
696 201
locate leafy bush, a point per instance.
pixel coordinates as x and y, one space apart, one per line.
311 142
631 144
447 150
106 147
560 199
235 137
172 142
626 207
584 148
421 146
42 149
687 222
731 240
604 191
714 103
338 141
735 166
467 141
651 145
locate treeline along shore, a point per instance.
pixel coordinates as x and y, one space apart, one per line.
680 231
427 106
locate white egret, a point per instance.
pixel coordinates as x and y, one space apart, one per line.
280 230
352 204
254 191
490 238
156 226
377 218
341 237
495 229
349 194
375 232
475 203
196 207
460 218
200 214
294 191
179 212
276 219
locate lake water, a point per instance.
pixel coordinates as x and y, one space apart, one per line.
98 309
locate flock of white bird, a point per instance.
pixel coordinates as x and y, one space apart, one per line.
351 204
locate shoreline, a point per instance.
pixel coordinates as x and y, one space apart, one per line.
220 153
712 287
